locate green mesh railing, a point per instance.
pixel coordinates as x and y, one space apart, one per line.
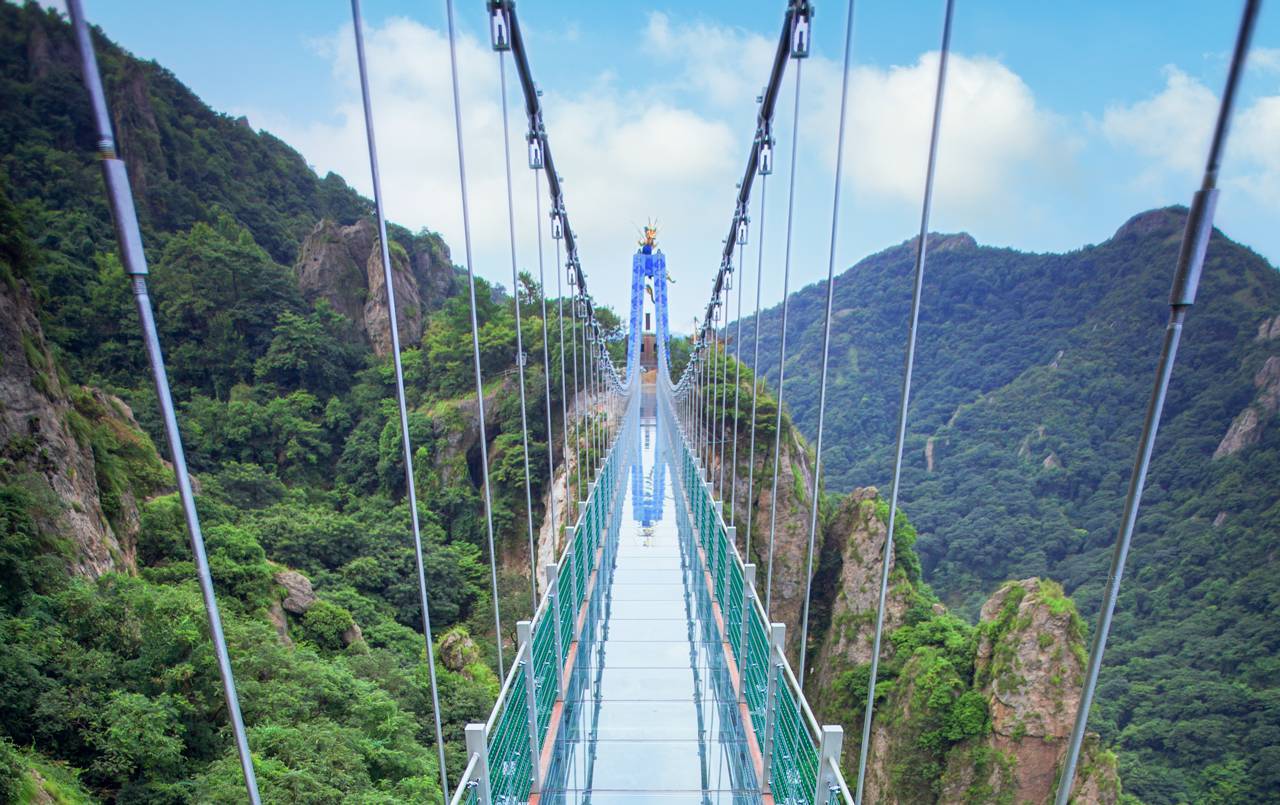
510 755
784 727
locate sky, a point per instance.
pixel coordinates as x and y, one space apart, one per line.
1060 121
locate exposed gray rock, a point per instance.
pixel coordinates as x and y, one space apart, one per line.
300 596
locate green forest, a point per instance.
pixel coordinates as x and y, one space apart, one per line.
108 687
1032 375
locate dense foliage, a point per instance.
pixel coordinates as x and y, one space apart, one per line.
108 685
1031 380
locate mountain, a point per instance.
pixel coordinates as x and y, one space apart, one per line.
1032 376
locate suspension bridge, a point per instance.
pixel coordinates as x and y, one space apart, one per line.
651 669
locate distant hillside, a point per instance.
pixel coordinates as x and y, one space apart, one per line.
1032 376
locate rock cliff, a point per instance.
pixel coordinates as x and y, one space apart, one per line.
343 265
78 447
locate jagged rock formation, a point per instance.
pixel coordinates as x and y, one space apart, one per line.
1029 668
858 525
80 445
1247 428
343 265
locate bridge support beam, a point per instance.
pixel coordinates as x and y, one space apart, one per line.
777 643
828 754
524 636
553 611
478 748
744 632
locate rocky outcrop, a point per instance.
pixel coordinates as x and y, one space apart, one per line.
850 634
1248 426
49 432
1269 329
1029 669
343 265
299 597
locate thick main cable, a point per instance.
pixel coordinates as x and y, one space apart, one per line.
475 329
394 327
1195 242
826 339
134 259
520 354
782 351
908 365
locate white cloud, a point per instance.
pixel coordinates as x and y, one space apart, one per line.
727 66
993 131
1171 128
624 156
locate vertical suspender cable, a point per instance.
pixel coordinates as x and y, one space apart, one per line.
564 392
1195 240
132 255
826 342
908 365
737 380
724 395
577 389
755 375
546 375
475 329
394 326
520 356
782 351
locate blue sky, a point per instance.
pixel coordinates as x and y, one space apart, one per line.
1062 120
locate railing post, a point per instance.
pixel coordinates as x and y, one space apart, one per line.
777 640
828 753
478 746
553 611
524 636
571 554
744 630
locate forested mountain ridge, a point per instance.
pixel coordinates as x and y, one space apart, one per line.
108 688
1033 372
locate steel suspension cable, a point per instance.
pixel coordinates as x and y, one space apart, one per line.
826 340
520 354
755 374
134 259
577 388
724 395
564 402
782 351
737 383
475 329
546 373
1195 242
394 327
908 366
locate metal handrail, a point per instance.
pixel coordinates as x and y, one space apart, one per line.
524 656
777 655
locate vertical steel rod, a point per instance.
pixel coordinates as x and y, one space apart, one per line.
394 326
826 342
133 257
908 365
520 356
1195 241
782 350
475 328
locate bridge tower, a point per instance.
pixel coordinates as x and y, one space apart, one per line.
649 335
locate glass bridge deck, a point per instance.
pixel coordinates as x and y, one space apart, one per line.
650 714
